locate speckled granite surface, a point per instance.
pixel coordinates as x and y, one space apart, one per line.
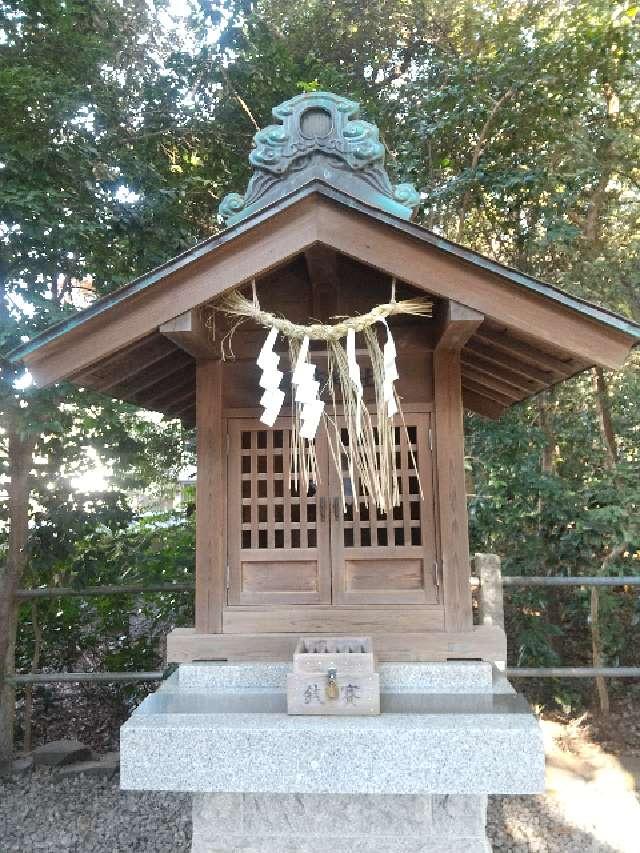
442 677
315 823
241 740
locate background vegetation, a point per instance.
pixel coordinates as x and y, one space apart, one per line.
124 124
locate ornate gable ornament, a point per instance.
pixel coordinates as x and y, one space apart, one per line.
319 137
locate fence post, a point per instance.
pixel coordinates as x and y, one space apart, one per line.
491 599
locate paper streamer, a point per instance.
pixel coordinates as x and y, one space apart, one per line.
354 375
270 379
306 390
390 372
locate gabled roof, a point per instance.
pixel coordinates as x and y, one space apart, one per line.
337 196
201 250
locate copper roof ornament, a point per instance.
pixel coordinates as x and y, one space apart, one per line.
319 136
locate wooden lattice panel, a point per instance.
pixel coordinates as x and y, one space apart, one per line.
278 536
292 548
363 525
388 557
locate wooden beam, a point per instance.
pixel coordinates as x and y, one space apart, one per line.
471 372
558 368
487 392
486 642
481 405
499 358
456 323
158 373
210 498
322 268
190 332
322 265
304 619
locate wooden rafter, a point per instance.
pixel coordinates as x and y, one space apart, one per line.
557 368
183 379
491 355
489 393
180 409
503 374
481 405
163 388
177 396
157 374
470 372
138 357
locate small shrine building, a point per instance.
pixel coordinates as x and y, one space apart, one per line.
321 233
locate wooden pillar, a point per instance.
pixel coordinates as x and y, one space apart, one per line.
456 323
210 498
190 332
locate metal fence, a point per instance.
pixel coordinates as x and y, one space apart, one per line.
490 583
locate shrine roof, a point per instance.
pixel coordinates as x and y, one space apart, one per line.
319 181
317 186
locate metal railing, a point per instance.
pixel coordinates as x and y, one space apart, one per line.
112 589
489 580
93 592
492 583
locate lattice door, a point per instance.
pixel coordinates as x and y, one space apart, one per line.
278 539
388 558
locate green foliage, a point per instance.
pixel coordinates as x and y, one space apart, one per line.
116 632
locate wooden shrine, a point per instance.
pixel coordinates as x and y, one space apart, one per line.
323 233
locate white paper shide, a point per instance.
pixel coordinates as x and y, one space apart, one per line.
272 397
390 372
354 375
306 389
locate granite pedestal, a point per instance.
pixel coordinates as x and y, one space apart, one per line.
413 780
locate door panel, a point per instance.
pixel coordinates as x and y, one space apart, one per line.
388 558
278 539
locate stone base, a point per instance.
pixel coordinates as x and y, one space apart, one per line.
339 823
445 728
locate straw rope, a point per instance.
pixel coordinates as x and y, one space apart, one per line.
239 306
370 447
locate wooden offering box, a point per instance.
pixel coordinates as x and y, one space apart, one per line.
333 676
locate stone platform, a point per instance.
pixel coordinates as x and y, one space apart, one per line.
412 780
339 823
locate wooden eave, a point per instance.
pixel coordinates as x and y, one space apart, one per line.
533 335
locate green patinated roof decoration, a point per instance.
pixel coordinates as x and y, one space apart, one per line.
319 137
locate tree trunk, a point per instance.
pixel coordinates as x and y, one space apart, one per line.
20 461
553 609
608 435
28 690
596 651
477 154
605 420
545 403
